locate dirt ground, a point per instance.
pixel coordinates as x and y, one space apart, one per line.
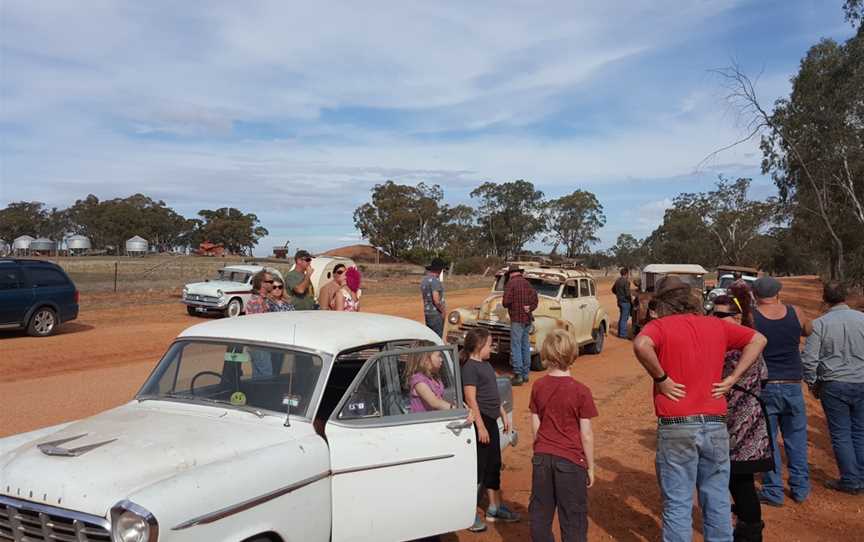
100 360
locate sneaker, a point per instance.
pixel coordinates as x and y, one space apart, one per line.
478 526
517 380
837 485
502 514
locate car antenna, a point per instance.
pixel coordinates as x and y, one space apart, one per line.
289 398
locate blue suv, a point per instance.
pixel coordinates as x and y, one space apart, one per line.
35 295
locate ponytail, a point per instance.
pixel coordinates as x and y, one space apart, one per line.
474 341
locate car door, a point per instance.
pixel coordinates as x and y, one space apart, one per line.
570 305
15 296
587 307
398 472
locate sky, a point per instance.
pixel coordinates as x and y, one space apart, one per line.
294 111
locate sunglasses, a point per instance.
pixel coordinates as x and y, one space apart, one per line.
341 271
277 286
307 260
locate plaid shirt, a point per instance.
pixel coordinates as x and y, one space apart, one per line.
518 294
256 305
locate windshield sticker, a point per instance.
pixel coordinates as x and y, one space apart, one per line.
238 398
237 357
292 401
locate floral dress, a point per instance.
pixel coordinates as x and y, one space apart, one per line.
750 447
278 306
351 304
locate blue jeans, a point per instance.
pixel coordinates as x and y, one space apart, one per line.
622 320
784 404
520 349
435 322
694 455
843 403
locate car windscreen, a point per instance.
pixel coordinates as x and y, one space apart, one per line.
725 282
236 374
540 286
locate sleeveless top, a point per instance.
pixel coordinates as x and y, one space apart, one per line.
351 304
782 354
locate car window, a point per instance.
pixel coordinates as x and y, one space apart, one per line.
10 278
570 290
584 291
593 288
545 288
43 276
389 388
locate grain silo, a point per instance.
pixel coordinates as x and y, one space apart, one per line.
43 246
21 245
136 246
78 244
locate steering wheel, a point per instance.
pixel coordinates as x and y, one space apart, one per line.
202 373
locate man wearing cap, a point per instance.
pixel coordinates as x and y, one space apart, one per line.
684 351
299 282
520 300
783 326
833 361
432 292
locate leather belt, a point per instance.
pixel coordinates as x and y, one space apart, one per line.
699 418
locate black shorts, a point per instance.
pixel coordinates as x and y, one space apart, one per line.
489 457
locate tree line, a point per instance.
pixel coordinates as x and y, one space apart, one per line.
414 222
109 223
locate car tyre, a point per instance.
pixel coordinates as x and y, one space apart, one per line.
235 308
191 311
599 336
42 323
536 363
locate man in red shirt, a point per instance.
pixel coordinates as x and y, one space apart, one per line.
683 351
520 299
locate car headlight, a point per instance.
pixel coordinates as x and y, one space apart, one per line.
709 306
712 295
454 317
219 293
185 292
132 523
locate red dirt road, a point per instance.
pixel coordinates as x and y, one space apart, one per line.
100 360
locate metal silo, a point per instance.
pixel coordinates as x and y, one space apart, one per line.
21 245
77 244
136 246
43 245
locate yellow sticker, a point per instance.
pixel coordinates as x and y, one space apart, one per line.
238 398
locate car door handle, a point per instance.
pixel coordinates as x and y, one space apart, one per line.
458 425
583 306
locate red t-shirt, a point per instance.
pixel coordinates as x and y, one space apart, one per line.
560 402
691 349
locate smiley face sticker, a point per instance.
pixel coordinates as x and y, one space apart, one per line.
238 398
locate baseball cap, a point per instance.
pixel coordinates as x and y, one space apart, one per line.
301 255
766 287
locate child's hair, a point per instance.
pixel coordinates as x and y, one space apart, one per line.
416 365
474 340
559 350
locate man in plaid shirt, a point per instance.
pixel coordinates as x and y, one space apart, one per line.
520 299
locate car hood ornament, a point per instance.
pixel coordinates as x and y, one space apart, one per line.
53 448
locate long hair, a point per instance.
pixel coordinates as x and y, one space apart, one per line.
258 278
474 341
417 364
740 296
352 279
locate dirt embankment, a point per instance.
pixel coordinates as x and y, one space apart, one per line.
100 361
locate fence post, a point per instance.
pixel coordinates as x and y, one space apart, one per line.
115 276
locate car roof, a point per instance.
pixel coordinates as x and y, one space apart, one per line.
325 331
742 269
245 268
29 261
686 268
550 272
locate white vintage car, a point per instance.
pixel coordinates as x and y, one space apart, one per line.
270 427
227 293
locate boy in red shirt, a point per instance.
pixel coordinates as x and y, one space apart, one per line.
684 351
563 462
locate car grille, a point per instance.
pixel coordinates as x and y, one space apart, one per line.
22 521
203 298
500 334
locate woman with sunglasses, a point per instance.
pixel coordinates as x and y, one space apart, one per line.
750 449
348 298
278 300
327 295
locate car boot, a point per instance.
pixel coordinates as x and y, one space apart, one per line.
748 532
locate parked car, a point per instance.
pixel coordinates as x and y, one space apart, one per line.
35 295
262 428
567 300
227 293
691 274
726 276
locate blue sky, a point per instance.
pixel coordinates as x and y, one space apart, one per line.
294 111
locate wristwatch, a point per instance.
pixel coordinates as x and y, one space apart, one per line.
659 379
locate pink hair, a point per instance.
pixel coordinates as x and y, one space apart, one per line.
352 279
